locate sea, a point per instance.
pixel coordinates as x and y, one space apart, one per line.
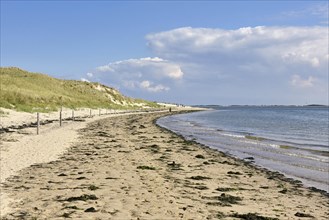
289 139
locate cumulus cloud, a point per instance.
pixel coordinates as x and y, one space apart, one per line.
151 74
84 80
90 75
153 88
151 66
252 60
297 81
288 44
207 65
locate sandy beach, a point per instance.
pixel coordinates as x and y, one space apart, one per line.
126 167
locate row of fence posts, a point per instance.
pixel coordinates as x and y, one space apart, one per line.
61 118
73 117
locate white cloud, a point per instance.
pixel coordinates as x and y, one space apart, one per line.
151 66
152 74
321 10
153 88
84 80
315 62
90 75
297 81
105 68
318 10
247 61
249 65
290 44
129 84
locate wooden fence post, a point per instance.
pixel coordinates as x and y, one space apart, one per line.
60 118
72 115
38 122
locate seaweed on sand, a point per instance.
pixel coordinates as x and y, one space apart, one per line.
199 156
200 178
252 216
145 168
224 200
93 187
84 197
303 215
175 166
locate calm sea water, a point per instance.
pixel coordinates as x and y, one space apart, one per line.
291 140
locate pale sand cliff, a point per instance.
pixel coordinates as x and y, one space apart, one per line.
126 167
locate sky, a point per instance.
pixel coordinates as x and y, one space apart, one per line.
187 52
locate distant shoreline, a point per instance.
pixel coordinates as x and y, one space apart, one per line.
224 106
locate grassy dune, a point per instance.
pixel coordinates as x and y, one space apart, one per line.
26 91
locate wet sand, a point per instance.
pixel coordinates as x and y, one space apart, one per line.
126 167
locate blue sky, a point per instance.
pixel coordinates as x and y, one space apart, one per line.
191 52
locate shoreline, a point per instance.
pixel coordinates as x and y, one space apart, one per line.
269 155
129 167
250 163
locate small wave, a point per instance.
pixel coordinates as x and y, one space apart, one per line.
324 160
232 135
309 167
274 152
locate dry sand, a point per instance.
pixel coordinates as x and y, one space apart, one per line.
126 167
21 148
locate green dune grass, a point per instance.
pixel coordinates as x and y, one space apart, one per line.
31 92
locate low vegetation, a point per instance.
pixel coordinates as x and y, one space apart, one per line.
31 92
